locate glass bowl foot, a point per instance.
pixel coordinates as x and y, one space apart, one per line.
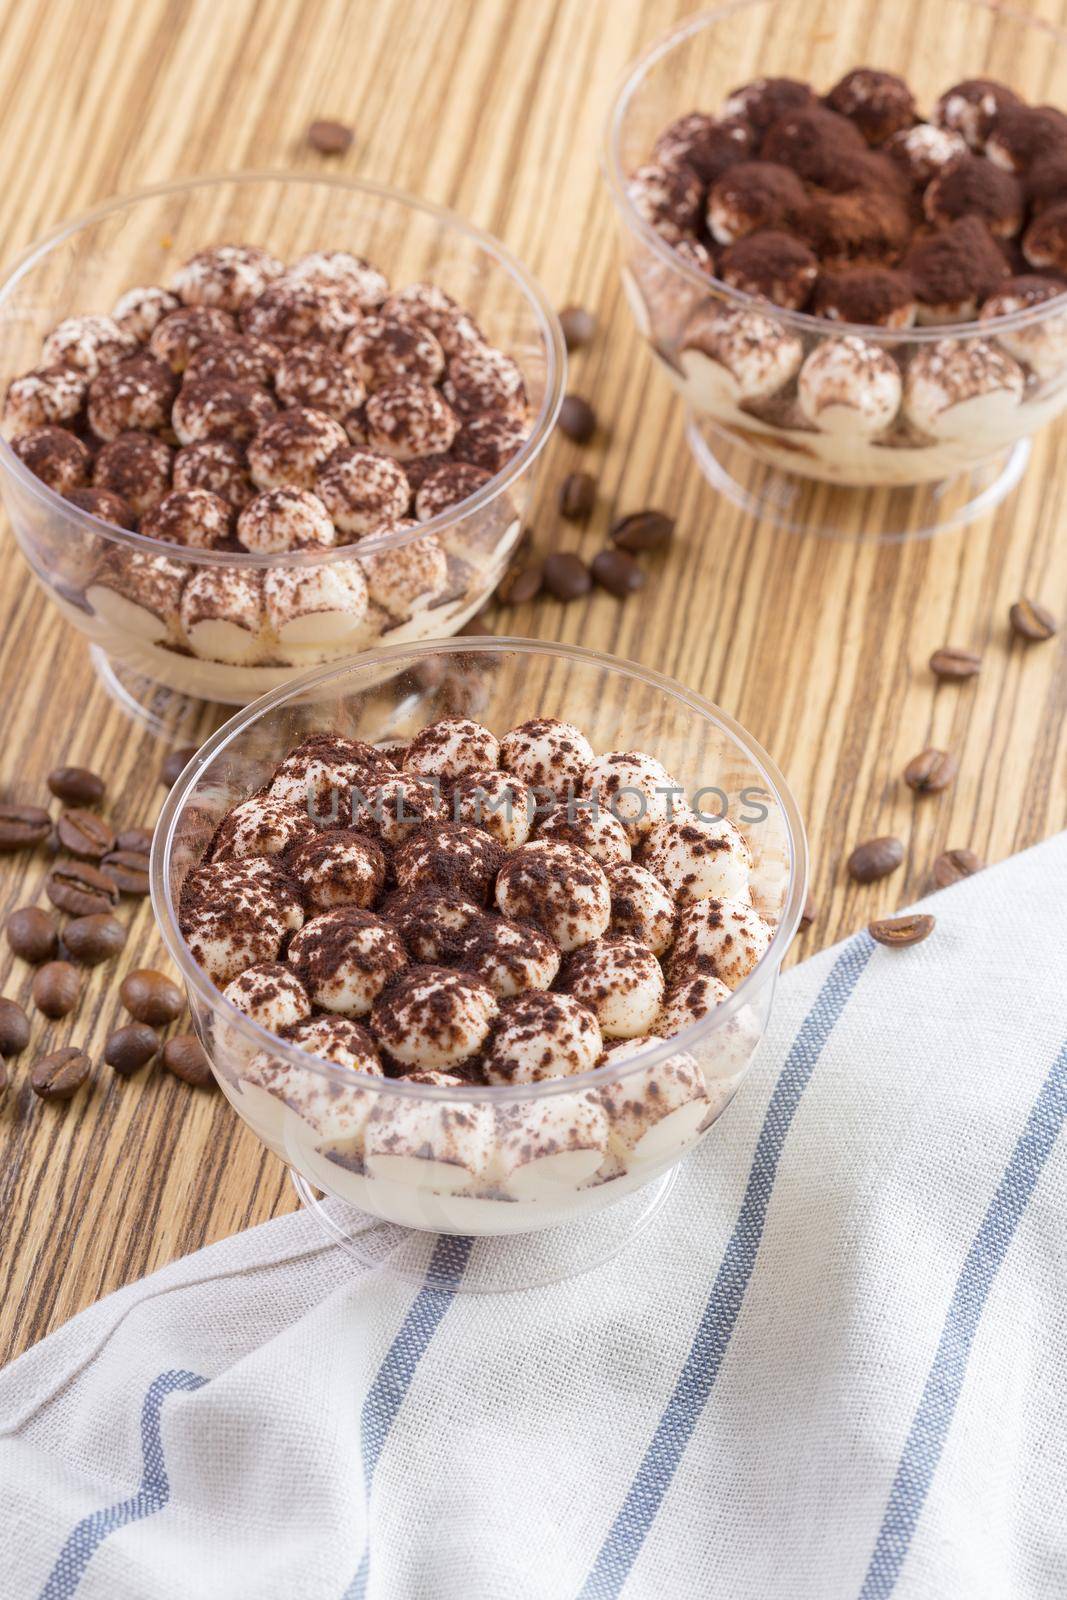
487 1265
168 715
881 515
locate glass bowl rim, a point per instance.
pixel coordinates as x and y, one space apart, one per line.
799 321
264 1040
547 322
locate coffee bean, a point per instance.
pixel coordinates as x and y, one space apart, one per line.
875 858
810 912
128 870
77 786
136 839
14 1028
330 138
897 932
520 584
577 496
23 826
91 940
566 576
643 530
130 1048
175 764
84 834
80 889
930 771
579 326
952 866
617 572
1031 621
31 933
55 988
151 997
184 1056
577 419
60 1075
954 665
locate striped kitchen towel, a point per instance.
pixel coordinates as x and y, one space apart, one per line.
834 1367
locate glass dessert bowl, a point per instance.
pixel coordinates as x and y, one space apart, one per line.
902 410
497 1060
205 403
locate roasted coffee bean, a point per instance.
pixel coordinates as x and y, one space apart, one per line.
128 870
617 572
31 933
136 839
77 786
151 997
175 764
520 584
14 1028
184 1056
55 988
953 664
23 826
577 496
643 530
930 771
566 575
896 932
1031 621
952 866
130 1048
330 138
809 913
875 858
90 940
80 889
579 326
84 834
577 419
60 1075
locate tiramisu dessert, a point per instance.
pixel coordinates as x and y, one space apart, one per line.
881 227
475 912
307 412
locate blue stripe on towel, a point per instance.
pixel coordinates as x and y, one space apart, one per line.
151 1497
691 1393
386 1394
933 1418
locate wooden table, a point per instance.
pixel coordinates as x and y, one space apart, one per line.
493 107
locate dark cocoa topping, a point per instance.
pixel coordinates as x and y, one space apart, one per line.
1046 182
874 296
538 1014
489 441
106 505
767 99
137 467
443 1004
453 854
707 146
217 408
238 359
774 266
132 394
959 264
1027 134
436 924
323 865
331 942
218 466
605 967
539 879
879 103
177 335
1045 240
448 486
1028 289
813 143
295 313
988 98
759 194
862 225
974 187
55 455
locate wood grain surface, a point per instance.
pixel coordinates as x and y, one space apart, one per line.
495 108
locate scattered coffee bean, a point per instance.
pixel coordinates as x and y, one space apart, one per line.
136 839
130 1048
55 988
952 866
930 771
90 940
23 826
31 933
579 326
80 889
175 764
1032 622
184 1056
77 786
128 870
875 858
60 1075
810 912
897 932
617 572
955 665
577 419
330 138
643 530
520 584
566 575
84 834
151 997
577 496
14 1028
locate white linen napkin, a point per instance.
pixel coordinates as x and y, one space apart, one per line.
835 1365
